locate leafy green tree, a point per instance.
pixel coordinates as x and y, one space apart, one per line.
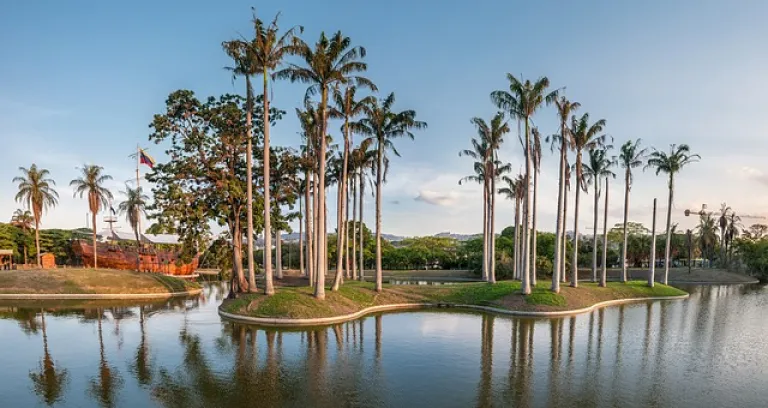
671 163
262 54
383 125
206 179
36 191
133 207
91 182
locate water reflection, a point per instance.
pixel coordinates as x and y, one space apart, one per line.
707 351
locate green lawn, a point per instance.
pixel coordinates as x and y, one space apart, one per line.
89 281
298 302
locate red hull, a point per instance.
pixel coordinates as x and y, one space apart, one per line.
124 258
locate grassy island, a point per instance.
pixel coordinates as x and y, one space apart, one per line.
89 281
298 302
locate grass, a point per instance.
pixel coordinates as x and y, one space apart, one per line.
89 281
299 302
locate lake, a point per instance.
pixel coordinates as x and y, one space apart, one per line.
708 351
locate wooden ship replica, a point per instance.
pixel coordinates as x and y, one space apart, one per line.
119 251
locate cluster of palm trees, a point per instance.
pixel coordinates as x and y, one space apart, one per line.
36 190
577 134
333 69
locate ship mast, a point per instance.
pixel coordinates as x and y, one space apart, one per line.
138 163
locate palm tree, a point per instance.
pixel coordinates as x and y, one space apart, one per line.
678 157
584 136
631 156
732 231
514 190
522 101
725 212
23 219
308 119
332 62
382 126
564 110
536 153
36 191
478 153
134 205
91 181
347 108
49 383
363 161
260 55
707 230
599 167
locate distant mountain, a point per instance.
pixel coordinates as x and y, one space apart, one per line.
391 237
458 237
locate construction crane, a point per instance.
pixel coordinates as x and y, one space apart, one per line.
704 211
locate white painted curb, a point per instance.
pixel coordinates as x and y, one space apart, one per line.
271 321
96 296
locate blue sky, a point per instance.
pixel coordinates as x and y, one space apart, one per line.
79 83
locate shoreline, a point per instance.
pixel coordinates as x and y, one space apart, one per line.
98 296
288 322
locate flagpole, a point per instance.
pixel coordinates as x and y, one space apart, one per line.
138 163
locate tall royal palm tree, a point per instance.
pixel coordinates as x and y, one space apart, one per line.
134 205
260 55
382 125
346 107
707 230
584 136
23 219
536 160
308 119
632 156
363 162
522 101
91 182
514 190
332 62
671 163
36 191
599 168
487 171
564 110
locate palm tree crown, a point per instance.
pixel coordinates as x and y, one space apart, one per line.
134 205
599 166
383 125
672 162
630 157
91 182
585 136
22 219
36 190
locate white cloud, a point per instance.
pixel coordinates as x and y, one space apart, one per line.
449 198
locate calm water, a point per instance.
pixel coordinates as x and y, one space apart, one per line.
708 351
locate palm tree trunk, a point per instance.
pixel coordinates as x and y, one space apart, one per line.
533 229
138 248
556 271
341 236
526 284
316 228
492 208
362 247
594 230
516 268
249 182
484 270
37 241
564 239
669 227
322 247
278 254
308 204
575 260
605 237
626 215
95 251
379 180
302 270
354 227
652 271
269 288
347 266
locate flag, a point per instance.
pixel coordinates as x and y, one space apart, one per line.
144 158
